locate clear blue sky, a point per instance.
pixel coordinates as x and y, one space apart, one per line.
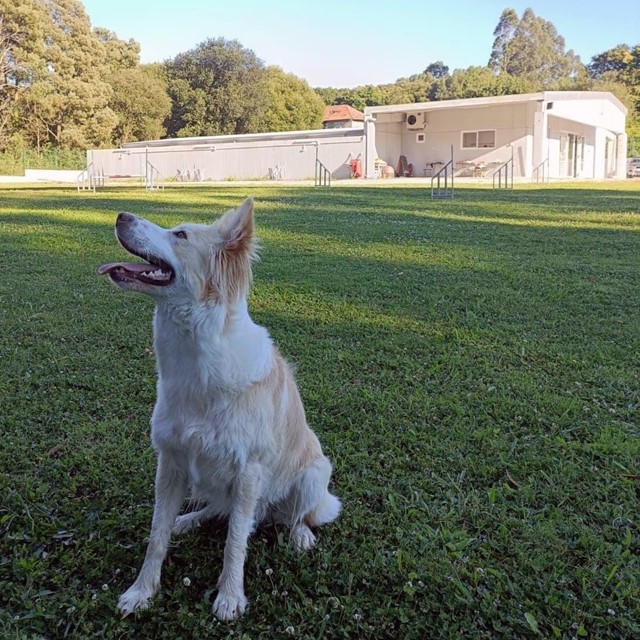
344 43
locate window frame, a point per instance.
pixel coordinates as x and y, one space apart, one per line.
477 133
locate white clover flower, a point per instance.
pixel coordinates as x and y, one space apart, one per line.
186 581
269 572
290 630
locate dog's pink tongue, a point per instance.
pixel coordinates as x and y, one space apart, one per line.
136 267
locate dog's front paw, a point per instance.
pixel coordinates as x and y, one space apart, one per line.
134 599
229 606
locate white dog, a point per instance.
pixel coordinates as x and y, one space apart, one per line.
228 421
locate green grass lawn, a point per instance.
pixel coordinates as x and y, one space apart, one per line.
470 366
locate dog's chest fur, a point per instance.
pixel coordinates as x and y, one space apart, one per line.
202 413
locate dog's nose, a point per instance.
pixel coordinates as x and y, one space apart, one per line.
124 217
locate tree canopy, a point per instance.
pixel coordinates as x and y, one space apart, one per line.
140 102
291 103
219 87
531 48
53 76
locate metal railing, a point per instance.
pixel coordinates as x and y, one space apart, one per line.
322 176
152 176
541 172
442 182
443 187
504 175
85 181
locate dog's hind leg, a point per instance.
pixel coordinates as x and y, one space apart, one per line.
309 504
171 485
190 521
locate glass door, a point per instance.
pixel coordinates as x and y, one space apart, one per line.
564 153
571 155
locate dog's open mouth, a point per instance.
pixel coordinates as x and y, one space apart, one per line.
154 271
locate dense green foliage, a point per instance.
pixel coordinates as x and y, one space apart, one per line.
470 366
618 70
216 88
530 48
292 105
141 103
66 84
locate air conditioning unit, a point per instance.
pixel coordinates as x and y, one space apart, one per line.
416 121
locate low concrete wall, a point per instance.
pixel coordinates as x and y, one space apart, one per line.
52 175
43 175
14 180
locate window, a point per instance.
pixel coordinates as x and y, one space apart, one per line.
479 139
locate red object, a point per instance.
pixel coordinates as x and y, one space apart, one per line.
355 166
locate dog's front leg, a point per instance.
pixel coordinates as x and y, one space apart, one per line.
170 492
231 601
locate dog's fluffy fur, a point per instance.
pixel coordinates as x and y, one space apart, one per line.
228 422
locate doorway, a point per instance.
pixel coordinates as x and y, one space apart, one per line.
571 155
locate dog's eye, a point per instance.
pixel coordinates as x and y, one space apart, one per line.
180 234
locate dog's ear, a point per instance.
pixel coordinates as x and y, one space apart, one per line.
230 273
236 228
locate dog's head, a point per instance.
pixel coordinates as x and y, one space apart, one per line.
190 263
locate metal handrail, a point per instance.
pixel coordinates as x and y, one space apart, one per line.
322 176
543 168
150 174
85 180
446 172
503 172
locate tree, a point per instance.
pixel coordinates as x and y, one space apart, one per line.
118 53
292 103
216 88
55 77
404 90
437 69
477 82
531 48
618 70
188 115
622 64
10 37
503 36
141 103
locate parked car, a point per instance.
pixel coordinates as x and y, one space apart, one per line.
633 168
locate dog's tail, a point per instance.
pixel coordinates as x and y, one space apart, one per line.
327 511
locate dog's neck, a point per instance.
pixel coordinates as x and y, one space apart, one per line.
221 342
193 320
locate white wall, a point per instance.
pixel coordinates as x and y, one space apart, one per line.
237 160
52 175
591 112
389 142
512 123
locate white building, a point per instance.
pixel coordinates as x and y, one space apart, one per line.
565 134
289 155
552 134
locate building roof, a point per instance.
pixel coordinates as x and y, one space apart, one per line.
286 137
342 112
462 103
